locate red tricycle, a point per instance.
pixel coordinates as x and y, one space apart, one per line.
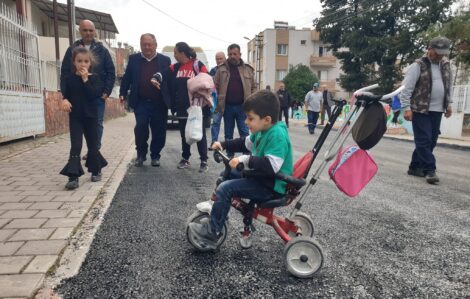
303 255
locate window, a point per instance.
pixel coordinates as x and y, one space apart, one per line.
303 42
280 74
322 75
281 49
320 51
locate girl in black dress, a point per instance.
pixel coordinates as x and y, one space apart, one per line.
82 88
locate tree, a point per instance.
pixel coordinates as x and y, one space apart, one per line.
374 39
457 29
299 80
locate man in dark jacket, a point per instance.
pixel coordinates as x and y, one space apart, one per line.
327 104
103 67
426 96
284 100
146 98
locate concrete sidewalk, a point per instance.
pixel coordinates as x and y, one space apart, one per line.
462 143
37 215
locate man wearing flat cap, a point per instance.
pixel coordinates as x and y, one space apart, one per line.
427 95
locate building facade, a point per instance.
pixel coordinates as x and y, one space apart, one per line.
274 51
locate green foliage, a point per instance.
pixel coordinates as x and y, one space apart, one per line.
375 38
457 29
299 81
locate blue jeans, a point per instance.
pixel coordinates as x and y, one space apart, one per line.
312 117
215 128
237 187
426 131
101 105
232 114
150 113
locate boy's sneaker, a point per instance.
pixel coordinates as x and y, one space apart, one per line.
432 178
183 164
203 167
416 172
204 232
96 177
72 184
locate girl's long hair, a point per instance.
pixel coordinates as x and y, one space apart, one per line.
183 47
82 50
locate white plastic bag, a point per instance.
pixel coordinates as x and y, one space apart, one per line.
193 129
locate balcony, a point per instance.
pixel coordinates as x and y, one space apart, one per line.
329 84
322 61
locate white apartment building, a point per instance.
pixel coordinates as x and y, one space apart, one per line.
274 51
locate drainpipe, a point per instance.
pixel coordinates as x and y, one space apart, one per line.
56 40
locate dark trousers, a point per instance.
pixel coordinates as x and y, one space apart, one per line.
154 115
396 114
79 127
201 145
312 117
426 131
326 108
101 105
285 111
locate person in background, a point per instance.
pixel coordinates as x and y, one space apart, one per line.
395 106
187 67
313 101
327 104
425 98
235 82
285 100
217 115
146 98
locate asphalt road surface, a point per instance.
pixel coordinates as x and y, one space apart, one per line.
400 238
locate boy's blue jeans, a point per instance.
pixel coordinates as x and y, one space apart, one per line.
237 186
215 128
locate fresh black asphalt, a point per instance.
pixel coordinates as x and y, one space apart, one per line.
400 238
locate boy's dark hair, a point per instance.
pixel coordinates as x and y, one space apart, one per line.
233 46
263 103
82 50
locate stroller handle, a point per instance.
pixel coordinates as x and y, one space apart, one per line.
366 94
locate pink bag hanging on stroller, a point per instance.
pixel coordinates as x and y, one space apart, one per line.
352 170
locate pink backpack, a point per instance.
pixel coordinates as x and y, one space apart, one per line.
352 170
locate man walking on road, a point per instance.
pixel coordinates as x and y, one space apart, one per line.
103 67
217 115
234 82
327 104
313 101
146 98
284 100
425 98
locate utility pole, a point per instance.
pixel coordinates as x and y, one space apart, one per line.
259 46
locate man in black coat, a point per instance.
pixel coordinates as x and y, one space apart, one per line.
103 67
284 100
146 98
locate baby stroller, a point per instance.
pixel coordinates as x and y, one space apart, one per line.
303 255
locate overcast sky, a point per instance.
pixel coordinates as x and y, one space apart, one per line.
227 21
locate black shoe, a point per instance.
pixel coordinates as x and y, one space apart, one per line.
72 184
416 172
203 167
311 132
139 162
85 157
96 177
432 178
183 164
155 162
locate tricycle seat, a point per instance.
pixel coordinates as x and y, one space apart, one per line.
274 203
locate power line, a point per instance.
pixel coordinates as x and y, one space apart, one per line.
355 14
184 24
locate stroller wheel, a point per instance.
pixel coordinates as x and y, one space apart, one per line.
303 257
305 223
197 216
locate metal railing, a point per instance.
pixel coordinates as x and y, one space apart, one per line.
50 75
461 98
19 53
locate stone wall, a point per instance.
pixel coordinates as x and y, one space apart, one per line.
57 121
